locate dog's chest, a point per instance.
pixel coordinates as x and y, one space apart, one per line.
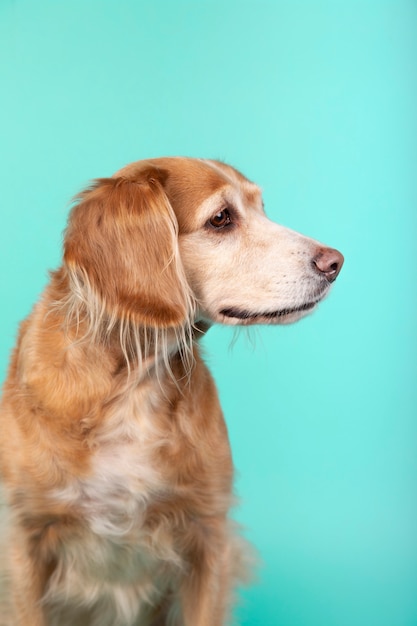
111 504
124 476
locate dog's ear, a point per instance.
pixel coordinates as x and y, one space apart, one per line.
122 243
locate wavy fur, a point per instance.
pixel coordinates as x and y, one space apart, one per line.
114 454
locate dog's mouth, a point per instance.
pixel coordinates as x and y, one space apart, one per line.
270 315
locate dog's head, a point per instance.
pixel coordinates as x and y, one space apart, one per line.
175 240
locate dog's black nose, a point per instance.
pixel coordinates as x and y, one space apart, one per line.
328 262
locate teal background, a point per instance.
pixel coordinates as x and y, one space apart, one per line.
317 102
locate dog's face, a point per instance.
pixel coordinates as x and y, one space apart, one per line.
177 226
244 268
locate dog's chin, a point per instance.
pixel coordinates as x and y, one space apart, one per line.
235 316
242 315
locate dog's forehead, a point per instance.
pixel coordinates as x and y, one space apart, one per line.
189 182
250 192
190 185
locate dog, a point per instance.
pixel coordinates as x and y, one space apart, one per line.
114 454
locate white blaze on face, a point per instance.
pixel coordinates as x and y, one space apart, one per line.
253 270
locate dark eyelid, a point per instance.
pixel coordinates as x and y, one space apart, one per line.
231 210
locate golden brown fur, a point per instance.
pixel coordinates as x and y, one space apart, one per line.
114 455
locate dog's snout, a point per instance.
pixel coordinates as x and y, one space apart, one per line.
328 262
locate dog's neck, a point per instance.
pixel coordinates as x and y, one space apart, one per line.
136 351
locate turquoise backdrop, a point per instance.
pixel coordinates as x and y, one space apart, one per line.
317 102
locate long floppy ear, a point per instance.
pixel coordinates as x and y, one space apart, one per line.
122 241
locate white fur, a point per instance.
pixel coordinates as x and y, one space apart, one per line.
261 267
113 500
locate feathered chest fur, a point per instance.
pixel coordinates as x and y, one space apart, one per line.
156 453
156 466
125 474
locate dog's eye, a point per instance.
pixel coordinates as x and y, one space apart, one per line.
221 219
